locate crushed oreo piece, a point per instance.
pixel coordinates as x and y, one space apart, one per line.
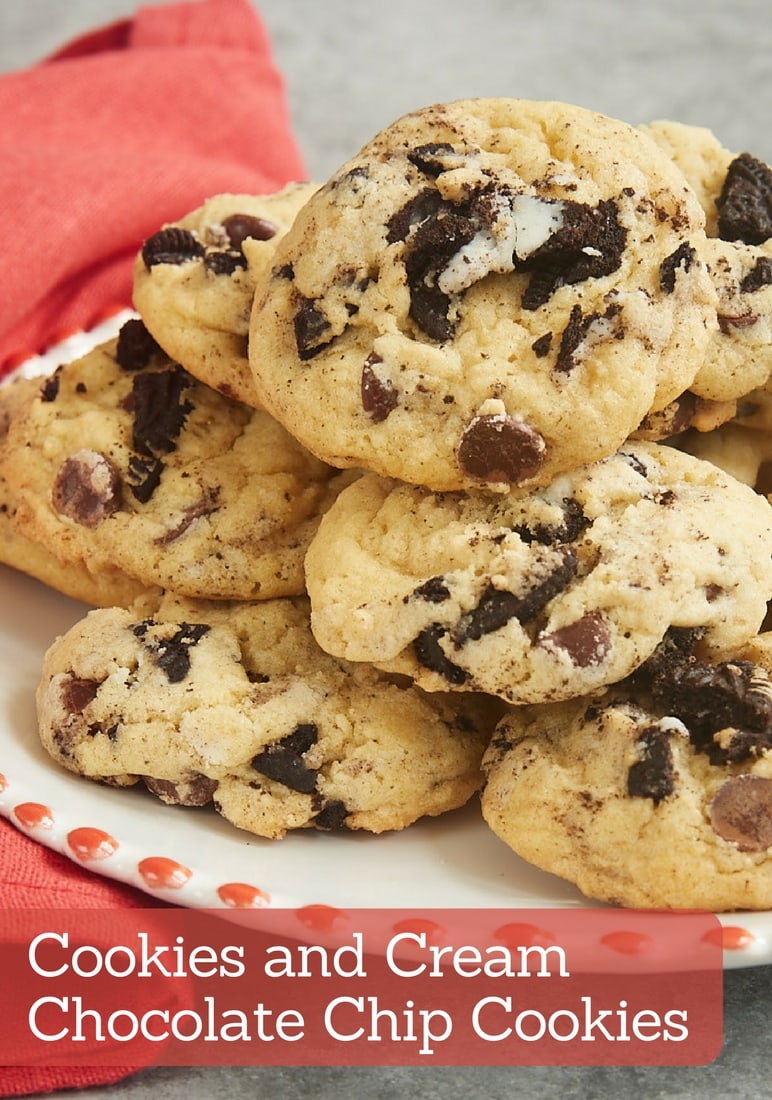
173 245
224 262
758 277
745 202
135 347
500 448
172 655
160 410
87 488
433 158
496 607
588 245
435 590
652 776
680 260
430 654
283 761
332 815
49 389
379 395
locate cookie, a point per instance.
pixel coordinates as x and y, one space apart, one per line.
735 191
125 461
234 705
194 281
656 793
490 293
73 579
543 594
743 452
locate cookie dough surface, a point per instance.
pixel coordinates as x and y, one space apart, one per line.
194 281
657 793
491 292
542 594
235 705
124 461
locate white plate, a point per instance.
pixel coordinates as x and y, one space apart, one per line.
192 857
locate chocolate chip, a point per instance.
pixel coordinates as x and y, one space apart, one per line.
741 812
197 790
728 321
311 328
758 277
586 641
589 244
76 693
652 776
496 607
224 263
379 396
172 655
332 815
87 488
745 202
172 245
283 760
430 654
239 227
682 259
135 347
500 448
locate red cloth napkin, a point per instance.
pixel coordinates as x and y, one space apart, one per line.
128 127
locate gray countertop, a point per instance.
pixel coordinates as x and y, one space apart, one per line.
352 68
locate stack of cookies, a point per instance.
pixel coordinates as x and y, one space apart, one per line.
444 476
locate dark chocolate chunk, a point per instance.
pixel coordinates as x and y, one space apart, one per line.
332 815
87 488
588 245
728 321
496 607
196 790
741 812
435 590
759 276
76 693
682 259
379 396
225 262
653 775
135 347
497 448
172 245
172 655
745 202
283 760
311 328
241 226
586 641
430 654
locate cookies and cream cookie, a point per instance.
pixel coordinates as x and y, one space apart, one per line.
234 705
542 594
489 293
194 281
656 793
123 461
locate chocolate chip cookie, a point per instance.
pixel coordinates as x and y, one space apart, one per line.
194 281
490 293
543 594
656 793
234 705
124 461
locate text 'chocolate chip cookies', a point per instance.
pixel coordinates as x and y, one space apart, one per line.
490 293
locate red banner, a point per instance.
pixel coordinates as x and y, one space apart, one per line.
320 986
